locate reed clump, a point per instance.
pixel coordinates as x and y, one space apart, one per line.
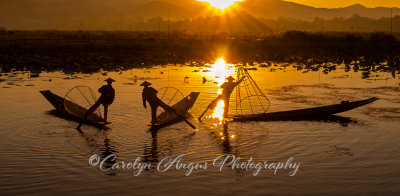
90 51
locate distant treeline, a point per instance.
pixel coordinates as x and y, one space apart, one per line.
90 51
353 24
235 24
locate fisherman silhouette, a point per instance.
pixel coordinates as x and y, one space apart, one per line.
106 99
149 94
227 89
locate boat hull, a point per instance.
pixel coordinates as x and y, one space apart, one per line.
58 104
305 114
182 107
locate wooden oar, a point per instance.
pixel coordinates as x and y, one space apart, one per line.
184 119
201 116
211 105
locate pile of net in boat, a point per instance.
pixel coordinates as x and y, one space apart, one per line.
249 97
79 99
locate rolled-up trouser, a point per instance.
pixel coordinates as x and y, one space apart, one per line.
226 108
214 103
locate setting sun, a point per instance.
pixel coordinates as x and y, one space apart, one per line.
221 4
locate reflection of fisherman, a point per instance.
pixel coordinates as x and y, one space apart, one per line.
227 89
106 99
149 94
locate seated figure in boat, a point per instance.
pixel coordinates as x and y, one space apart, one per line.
149 94
106 99
227 89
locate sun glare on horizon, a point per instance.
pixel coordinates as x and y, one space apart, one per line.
221 4
221 70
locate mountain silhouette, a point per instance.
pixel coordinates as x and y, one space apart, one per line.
27 14
265 9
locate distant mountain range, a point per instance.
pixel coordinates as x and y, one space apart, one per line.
259 8
278 8
43 13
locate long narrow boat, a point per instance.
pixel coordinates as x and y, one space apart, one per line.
182 108
305 114
58 103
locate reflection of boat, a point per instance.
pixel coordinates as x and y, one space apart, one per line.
58 103
182 107
305 114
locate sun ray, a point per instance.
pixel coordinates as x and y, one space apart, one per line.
221 4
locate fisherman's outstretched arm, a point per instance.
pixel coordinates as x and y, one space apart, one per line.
241 80
155 91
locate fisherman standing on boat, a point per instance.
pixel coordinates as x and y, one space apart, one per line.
227 89
149 94
106 99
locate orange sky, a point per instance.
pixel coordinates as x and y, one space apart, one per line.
344 3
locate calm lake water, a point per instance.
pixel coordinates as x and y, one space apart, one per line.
44 155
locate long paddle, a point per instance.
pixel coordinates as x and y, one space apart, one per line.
184 119
211 105
201 116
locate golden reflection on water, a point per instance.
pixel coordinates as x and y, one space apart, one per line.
220 70
218 112
129 135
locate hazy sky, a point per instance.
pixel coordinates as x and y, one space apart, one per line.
344 3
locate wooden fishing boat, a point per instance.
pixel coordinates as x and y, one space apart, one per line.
76 110
305 114
182 108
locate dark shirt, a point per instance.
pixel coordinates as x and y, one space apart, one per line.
107 94
150 94
228 87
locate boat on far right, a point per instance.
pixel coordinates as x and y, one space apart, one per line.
305 114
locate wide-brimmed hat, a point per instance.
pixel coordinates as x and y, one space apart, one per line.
145 83
230 78
110 80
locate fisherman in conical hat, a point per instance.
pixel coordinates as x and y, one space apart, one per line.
227 89
149 94
146 84
106 99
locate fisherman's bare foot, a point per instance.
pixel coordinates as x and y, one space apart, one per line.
107 122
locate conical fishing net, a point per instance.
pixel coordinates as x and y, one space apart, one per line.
170 96
249 97
79 99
